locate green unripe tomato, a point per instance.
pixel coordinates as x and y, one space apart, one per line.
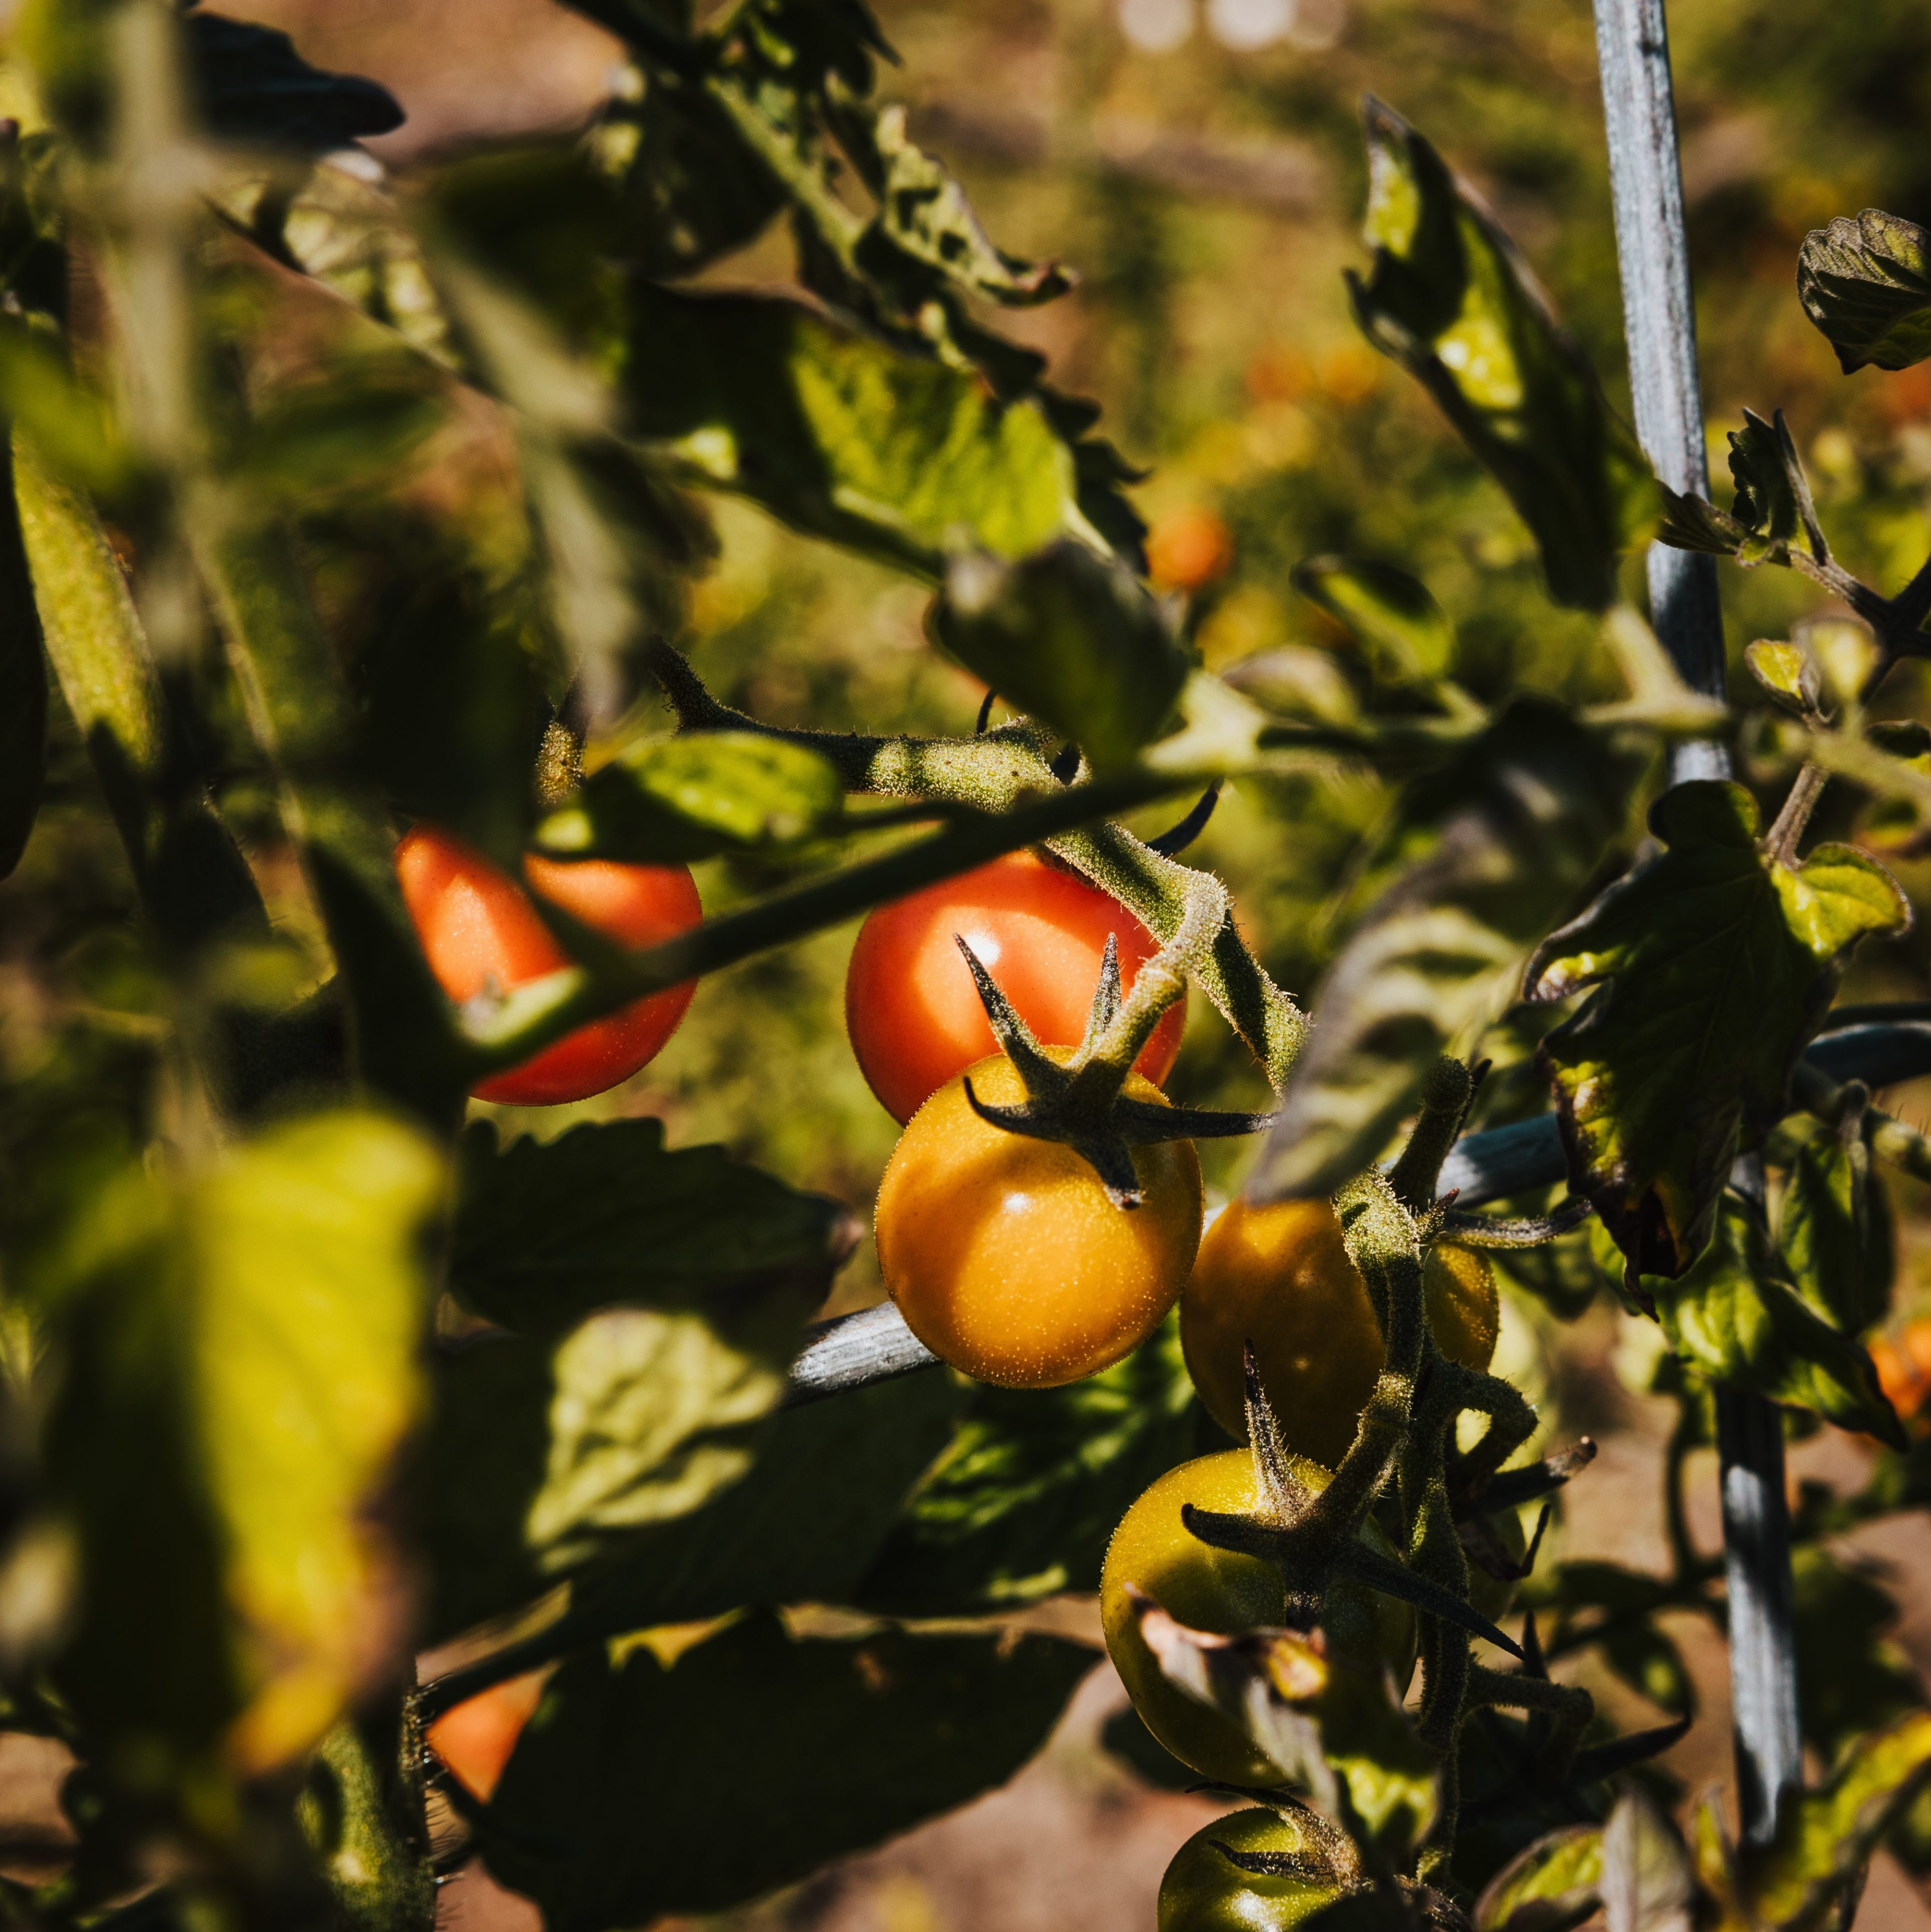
1219 1590
1204 1891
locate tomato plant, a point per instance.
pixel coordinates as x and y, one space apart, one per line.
912 1011
414 581
481 934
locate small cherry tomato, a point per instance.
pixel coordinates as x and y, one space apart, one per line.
1188 549
1280 1276
479 931
1005 1254
1204 1891
913 1012
1219 1590
474 1739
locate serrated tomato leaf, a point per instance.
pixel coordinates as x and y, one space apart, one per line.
603 1826
1735 1315
1711 964
1866 284
1451 298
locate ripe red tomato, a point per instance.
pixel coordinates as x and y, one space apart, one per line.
479 930
475 1738
911 1008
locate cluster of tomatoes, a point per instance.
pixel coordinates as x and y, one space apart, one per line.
1008 1260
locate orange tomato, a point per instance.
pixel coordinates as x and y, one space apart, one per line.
1188 549
1004 1254
479 932
475 1738
912 1013
1903 1363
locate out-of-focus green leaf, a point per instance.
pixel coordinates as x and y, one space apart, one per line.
249 84
864 1737
1712 963
1452 300
547 1231
842 437
1845 1614
670 801
1827 1837
1550 1888
23 682
1325 1724
1866 284
1735 1315
255 1329
69 424
1647 1659
1408 637
1834 1228
1787 672
1562 1275
351 430
1069 637
1021 1505
1480 857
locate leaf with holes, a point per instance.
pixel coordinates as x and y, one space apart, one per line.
1453 300
1711 964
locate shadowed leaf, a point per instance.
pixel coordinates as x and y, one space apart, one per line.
1866 284
1549 1888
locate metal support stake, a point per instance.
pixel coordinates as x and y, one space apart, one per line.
1632 45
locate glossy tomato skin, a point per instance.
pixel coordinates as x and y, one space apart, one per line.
1280 1276
912 1013
474 1739
479 930
1004 1254
1204 1891
1218 1590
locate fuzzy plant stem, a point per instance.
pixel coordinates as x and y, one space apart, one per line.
1632 41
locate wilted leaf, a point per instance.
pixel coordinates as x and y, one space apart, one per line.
1735 1315
1452 300
1550 1888
1866 284
1070 637
672 801
1712 963
1023 1502
1826 1837
1323 1723
547 1231
1834 1228
255 1330
1481 856
843 436
1408 637
856 1739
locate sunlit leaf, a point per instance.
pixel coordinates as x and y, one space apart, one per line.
1712 963
1481 856
1735 1315
1453 300
1787 672
255 1328
1407 633
670 801
1032 1485
23 683
1834 1228
1070 637
1866 284
1549 1888
863 1737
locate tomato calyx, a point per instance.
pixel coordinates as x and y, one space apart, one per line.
1081 1103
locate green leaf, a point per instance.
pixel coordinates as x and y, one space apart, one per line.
1408 637
1023 1500
1845 1614
1070 637
842 437
670 801
1834 1227
23 682
1711 964
1773 507
1647 1659
1327 1725
1734 1315
547 1231
1480 857
1789 673
255 1329
864 1737
1452 300
1866 284
1550 1887
1827 1837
